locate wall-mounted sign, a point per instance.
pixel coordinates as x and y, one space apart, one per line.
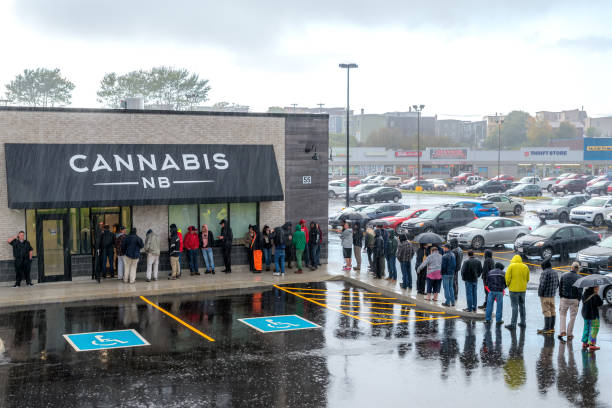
545 152
598 148
73 175
408 153
448 154
306 180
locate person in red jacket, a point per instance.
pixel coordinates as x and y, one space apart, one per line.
305 231
180 257
192 244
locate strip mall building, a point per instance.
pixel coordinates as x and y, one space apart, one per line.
67 170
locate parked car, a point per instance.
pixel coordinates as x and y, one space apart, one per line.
395 221
336 189
413 178
473 180
487 186
380 194
425 184
534 180
599 188
605 292
362 188
506 204
392 181
597 258
525 190
595 211
570 186
377 180
438 184
438 220
503 177
349 216
550 181
480 208
597 179
368 178
548 240
461 178
376 211
490 231
559 208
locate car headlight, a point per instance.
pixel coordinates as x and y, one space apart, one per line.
420 224
539 244
461 235
588 212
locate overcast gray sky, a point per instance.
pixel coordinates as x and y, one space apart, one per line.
460 58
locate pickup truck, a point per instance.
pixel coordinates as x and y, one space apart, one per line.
543 184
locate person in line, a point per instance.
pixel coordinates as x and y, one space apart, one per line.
174 248
152 249
131 245
487 265
421 254
347 246
180 235
470 272
590 312
378 253
191 243
299 242
405 252
22 252
357 244
248 244
256 248
517 276
496 283
432 265
279 239
570 299
447 270
97 272
392 256
314 245
107 252
226 239
207 241
369 243
289 248
454 243
121 234
306 255
266 246
547 289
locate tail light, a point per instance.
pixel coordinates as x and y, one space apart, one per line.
475 217
599 235
529 228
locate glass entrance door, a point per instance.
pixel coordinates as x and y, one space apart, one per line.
52 235
107 216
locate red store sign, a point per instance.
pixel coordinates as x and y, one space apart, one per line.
409 153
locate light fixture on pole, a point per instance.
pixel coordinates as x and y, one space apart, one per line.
348 70
418 109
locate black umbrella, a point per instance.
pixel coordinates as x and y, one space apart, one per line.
428 238
593 280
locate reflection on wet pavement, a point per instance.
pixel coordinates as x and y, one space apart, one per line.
408 360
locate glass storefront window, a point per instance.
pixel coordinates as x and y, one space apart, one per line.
211 215
241 216
31 228
183 216
85 231
73 242
126 217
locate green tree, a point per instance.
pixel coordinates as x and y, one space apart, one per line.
276 109
165 86
593 132
40 87
339 140
513 131
566 131
539 133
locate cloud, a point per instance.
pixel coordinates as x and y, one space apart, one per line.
599 44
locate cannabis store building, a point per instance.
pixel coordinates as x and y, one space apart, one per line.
67 170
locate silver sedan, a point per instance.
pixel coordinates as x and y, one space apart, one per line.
488 231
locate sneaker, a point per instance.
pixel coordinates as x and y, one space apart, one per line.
445 304
499 322
276 274
467 310
482 307
197 273
30 284
148 280
16 285
593 347
510 327
585 346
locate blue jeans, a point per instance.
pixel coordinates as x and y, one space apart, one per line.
279 260
470 291
392 267
406 275
517 302
449 288
193 259
492 297
207 254
315 252
266 256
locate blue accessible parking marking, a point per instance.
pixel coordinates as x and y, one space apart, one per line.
105 340
271 324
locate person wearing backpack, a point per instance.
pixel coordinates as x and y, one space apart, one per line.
405 252
278 238
266 246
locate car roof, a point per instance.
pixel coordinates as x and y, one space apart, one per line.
474 201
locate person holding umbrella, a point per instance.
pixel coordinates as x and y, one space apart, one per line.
590 308
433 263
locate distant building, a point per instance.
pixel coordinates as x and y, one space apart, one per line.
572 144
463 132
407 122
367 124
603 125
576 117
337 117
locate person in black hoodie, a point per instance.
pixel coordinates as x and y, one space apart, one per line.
174 248
487 265
421 278
314 245
357 244
266 246
458 261
379 254
226 239
107 251
470 272
590 312
289 248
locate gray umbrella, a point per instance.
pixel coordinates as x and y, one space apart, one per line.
428 238
593 280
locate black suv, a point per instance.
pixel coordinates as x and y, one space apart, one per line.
438 220
380 194
570 186
525 190
550 239
487 186
598 258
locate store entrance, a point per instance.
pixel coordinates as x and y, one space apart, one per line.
107 216
52 237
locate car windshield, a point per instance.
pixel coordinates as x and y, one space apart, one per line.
565 182
546 231
370 209
430 215
480 223
601 183
404 213
606 243
482 183
596 202
376 190
561 201
525 180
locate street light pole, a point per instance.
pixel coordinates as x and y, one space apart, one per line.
418 109
499 122
348 70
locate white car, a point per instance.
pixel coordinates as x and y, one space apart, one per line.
474 180
488 231
535 180
605 292
595 211
438 184
392 181
336 189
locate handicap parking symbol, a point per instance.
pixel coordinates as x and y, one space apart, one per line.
106 340
271 324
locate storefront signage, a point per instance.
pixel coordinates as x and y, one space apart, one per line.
598 148
409 153
71 175
544 152
452 154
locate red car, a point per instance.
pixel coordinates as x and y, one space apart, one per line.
395 221
596 180
503 177
462 177
353 181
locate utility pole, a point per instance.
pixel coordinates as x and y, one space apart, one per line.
348 70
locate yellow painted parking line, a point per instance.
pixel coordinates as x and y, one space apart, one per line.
346 296
385 314
190 327
428 311
372 307
329 291
377 303
415 320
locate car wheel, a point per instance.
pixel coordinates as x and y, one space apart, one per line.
518 210
598 220
332 194
372 201
608 295
584 191
549 188
547 253
396 199
566 191
563 218
519 236
429 229
478 242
